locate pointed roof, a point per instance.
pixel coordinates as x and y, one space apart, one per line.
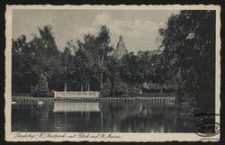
120 48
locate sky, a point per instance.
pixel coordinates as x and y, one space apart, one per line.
139 28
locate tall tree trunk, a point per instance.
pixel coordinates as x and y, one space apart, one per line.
101 85
102 61
161 88
88 86
81 88
126 91
65 89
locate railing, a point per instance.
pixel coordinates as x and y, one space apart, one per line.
88 94
21 94
157 95
165 100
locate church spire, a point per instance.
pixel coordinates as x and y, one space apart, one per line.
120 48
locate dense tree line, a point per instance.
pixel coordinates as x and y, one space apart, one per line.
187 59
91 67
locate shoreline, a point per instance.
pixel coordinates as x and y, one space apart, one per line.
169 99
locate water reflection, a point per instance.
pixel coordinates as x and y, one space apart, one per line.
98 117
61 106
139 117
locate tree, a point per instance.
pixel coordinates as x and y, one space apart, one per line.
82 68
48 40
30 59
66 61
24 73
107 88
146 65
41 89
159 73
112 72
47 55
130 69
103 41
189 51
90 60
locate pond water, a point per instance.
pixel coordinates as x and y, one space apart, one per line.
62 116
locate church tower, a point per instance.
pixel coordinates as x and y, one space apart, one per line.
120 48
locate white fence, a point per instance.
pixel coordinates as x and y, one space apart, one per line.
85 94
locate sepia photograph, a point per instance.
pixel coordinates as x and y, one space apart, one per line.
116 73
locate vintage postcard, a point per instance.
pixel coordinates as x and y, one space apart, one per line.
112 73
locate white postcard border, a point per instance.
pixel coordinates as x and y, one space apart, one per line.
109 137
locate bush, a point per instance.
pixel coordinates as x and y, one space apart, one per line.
41 89
122 89
106 91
